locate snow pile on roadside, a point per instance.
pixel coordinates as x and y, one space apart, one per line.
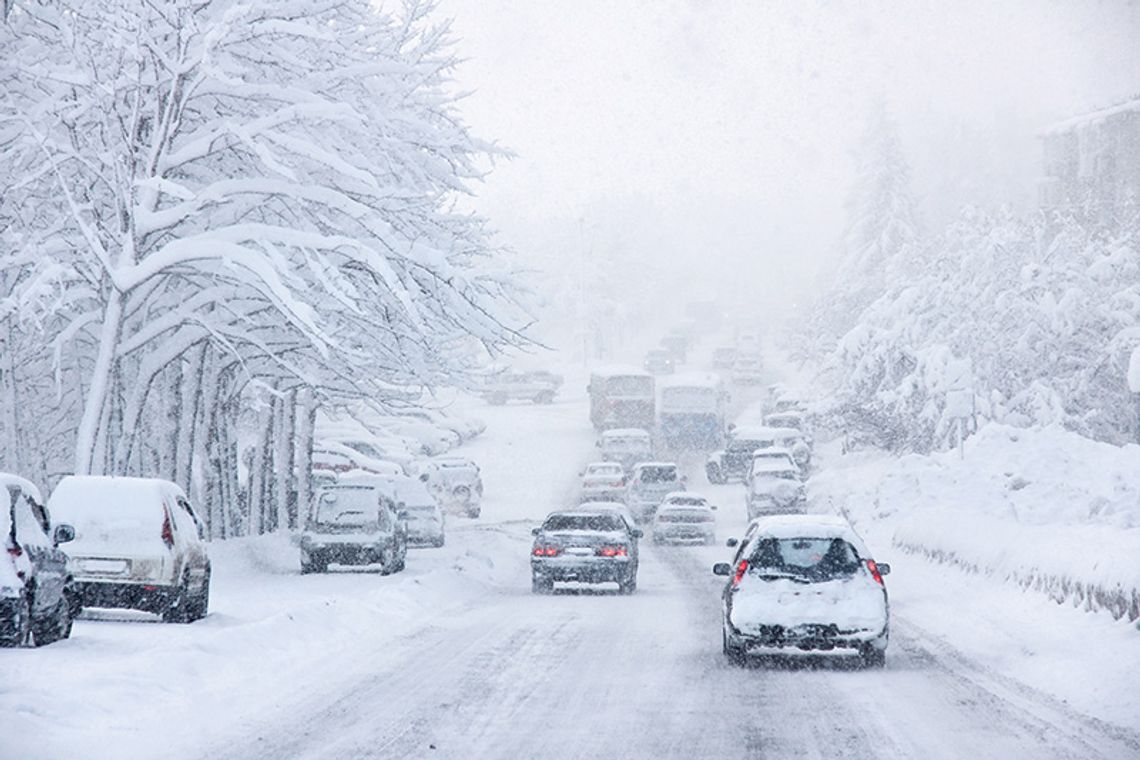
1043 508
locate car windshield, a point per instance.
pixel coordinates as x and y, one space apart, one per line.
815 559
605 471
599 523
744 444
664 474
345 505
684 515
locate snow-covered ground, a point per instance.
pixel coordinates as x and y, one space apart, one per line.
456 658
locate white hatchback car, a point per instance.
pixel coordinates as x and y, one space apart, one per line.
684 517
804 583
603 481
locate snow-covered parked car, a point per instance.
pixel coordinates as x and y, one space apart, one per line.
431 438
342 455
804 583
774 488
626 446
455 482
538 386
584 546
684 517
37 599
603 481
138 545
353 524
424 516
648 484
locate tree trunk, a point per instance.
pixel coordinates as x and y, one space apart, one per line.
306 424
284 480
96 400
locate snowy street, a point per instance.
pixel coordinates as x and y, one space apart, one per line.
456 657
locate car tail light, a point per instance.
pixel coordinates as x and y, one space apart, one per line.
545 550
875 571
167 530
613 551
741 569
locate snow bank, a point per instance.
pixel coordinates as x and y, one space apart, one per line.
1044 509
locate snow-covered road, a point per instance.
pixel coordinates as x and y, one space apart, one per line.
455 658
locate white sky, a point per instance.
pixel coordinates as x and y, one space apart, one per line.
715 136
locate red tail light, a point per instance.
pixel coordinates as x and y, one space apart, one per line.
875 571
167 531
545 550
613 551
741 569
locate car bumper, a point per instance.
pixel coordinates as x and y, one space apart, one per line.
425 537
130 596
775 639
348 554
684 534
584 569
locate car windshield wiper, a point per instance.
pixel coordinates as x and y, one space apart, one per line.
770 575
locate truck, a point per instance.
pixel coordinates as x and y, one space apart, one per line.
691 411
621 397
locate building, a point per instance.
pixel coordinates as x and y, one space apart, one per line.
1092 163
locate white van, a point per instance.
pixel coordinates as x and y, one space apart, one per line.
138 545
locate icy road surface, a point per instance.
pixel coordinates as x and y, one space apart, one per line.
455 658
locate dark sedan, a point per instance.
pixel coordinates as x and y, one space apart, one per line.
587 547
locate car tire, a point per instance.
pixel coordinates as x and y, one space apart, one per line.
57 625
314 565
628 586
200 606
734 654
22 634
439 542
402 558
541 585
872 657
474 513
178 609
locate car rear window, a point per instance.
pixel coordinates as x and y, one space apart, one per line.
347 506
659 474
810 558
685 515
603 523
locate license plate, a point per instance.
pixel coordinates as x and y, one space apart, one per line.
579 551
107 566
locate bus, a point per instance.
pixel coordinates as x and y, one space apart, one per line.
691 411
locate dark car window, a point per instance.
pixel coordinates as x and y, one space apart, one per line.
815 559
658 475
604 523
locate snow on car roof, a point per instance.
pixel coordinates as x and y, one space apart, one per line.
110 494
807 526
774 452
655 464
771 464
687 497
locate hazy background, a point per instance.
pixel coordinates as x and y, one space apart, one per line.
707 145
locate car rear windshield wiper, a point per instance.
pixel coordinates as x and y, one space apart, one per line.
770 575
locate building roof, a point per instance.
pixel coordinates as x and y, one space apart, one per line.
1091 118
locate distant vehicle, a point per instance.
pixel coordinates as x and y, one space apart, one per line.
626 446
733 461
455 482
648 484
37 597
774 488
414 503
748 343
621 398
684 517
804 584
353 524
748 369
584 546
787 403
789 419
603 481
724 357
354 454
691 411
539 387
659 362
777 455
677 346
138 545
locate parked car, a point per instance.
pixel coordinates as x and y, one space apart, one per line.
430 437
659 362
347 454
778 455
539 387
804 583
425 518
603 481
626 446
724 357
774 488
748 369
37 596
648 484
353 524
138 545
455 482
684 517
584 546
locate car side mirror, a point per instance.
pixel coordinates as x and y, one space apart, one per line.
884 568
402 514
722 568
637 533
424 477
62 534
712 507
535 531
732 543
